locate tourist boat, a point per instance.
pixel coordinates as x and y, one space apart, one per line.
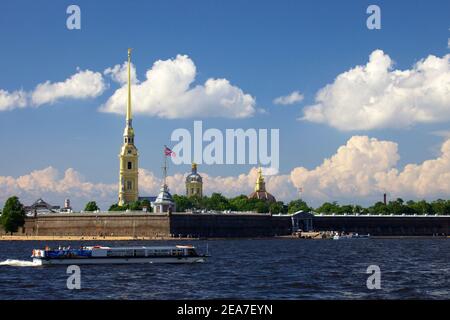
118 255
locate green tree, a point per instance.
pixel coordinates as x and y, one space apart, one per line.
345 209
182 203
217 202
298 205
378 208
135 206
419 207
147 204
198 202
278 207
441 207
329 208
357 209
261 206
116 207
396 207
91 206
13 215
240 203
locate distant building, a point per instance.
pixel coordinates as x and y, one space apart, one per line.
150 199
39 207
194 183
260 189
164 201
67 207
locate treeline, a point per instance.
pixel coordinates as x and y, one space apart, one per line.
13 214
396 207
218 202
132 206
241 203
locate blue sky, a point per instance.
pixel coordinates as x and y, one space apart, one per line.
266 48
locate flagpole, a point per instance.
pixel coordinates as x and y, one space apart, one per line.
165 166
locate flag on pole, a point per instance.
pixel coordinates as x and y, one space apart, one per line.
168 152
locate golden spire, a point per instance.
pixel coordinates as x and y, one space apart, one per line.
129 89
260 184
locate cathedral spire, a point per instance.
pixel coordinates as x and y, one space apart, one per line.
129 118
128 174
260 189
260 184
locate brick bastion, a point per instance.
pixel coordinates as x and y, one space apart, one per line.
139 224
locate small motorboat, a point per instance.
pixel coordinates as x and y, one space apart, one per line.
342 236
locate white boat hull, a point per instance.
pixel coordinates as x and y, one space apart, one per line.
39 261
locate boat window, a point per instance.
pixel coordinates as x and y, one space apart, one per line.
120 253
139 253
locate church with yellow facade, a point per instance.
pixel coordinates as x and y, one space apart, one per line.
260 189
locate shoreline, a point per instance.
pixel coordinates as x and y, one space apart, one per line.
85 238
129 238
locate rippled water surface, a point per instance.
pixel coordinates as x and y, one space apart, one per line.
245 269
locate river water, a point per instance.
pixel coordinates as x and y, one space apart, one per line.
243 269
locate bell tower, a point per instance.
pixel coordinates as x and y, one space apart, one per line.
128 175
194 183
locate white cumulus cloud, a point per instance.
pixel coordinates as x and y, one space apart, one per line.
168 92
292 98
48 184
376 96
351 172
119 73
365 168
12 100
83 84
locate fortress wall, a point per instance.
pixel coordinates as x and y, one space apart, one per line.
102 224
229 225
152 225
218 225
385 225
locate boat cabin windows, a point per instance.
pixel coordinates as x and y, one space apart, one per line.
120 253
139 253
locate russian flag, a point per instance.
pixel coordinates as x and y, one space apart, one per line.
168 152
